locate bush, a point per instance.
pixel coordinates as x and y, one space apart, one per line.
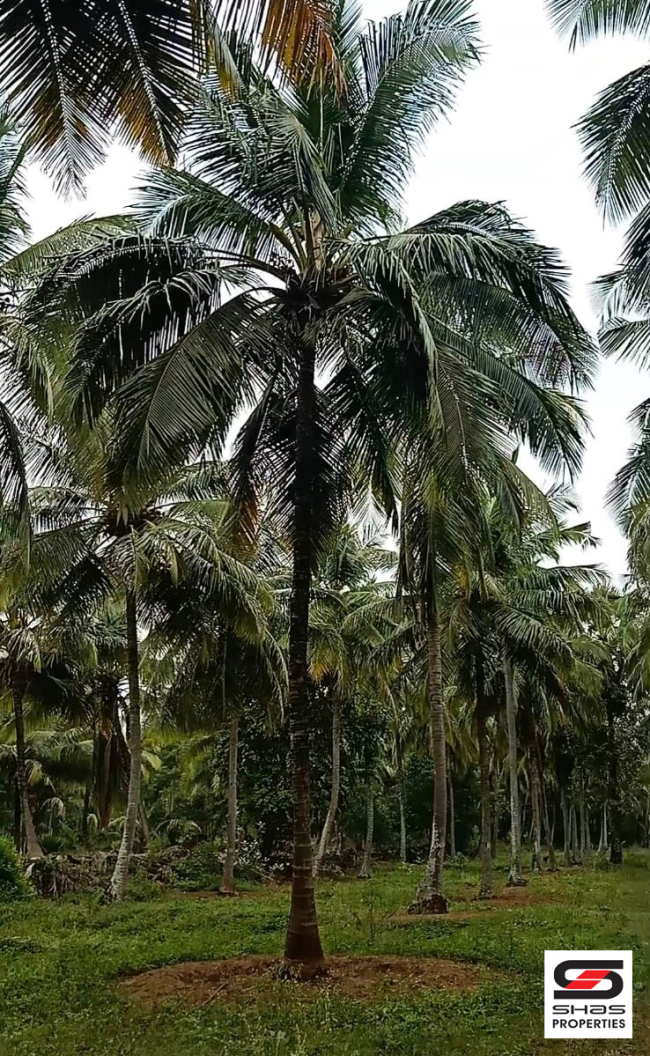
202 867
200 870
13 882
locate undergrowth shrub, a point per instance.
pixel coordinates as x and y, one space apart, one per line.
14 885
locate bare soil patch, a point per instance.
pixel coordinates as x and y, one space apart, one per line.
254 978
510 897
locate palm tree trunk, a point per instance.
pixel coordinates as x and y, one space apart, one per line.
228 878
615 841
326 834
30 846
120 875
583 827
588 834
535 795
303 945
145 831
18 822
575 843
365 872
485 846
548 829
495 810
514 877
430 898
566 825
452 811
401 791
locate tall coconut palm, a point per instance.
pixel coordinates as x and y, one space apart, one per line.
343 331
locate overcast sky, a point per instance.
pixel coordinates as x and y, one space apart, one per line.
510 140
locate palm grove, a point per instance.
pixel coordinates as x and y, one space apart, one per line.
272 575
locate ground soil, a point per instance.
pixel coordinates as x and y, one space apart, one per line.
251 978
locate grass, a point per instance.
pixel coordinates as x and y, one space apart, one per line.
60 966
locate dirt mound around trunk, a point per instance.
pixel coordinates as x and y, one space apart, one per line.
255 978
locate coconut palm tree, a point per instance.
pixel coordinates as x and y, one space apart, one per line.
616 138
272 275
224 663
98 540
527 599
337 654
616 131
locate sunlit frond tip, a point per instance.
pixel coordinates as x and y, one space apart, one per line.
297 33
582 20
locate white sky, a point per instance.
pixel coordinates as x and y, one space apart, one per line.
510 140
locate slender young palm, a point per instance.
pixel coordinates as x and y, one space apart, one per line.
344 333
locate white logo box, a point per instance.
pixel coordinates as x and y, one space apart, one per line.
588 994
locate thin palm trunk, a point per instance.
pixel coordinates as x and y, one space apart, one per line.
495 805
583 827
18 824
328 826
303 945
485 847
615 819
145 831
365 872
117 885
535 795
566 825
514 876
228 878
401 791
548 829
29 843
430 895
486 844
85 811
452 811
91 783
589 844
575 843
603 842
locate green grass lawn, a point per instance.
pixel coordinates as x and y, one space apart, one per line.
61 963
